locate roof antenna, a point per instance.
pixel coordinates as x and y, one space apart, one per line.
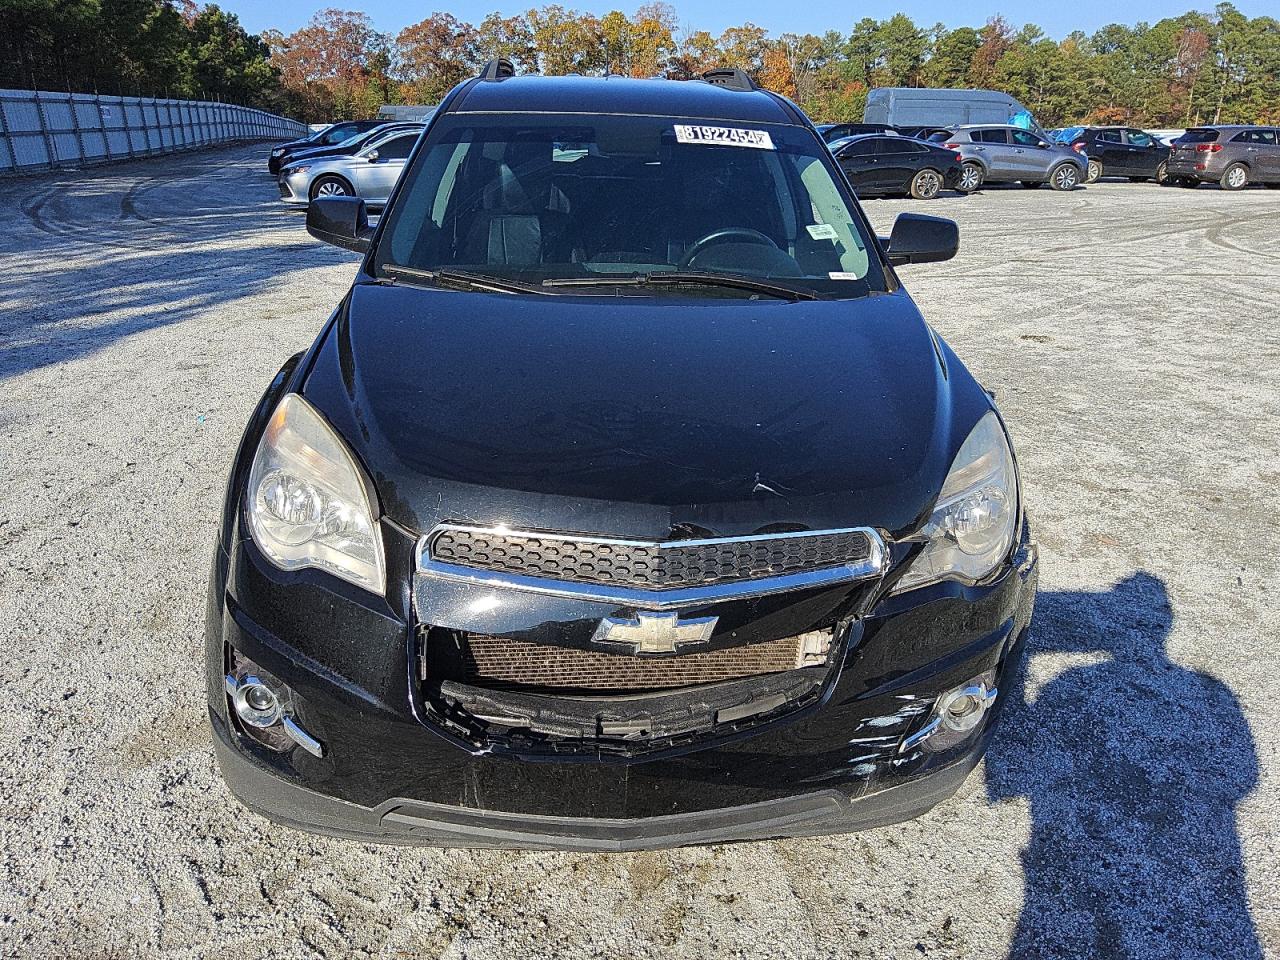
498 69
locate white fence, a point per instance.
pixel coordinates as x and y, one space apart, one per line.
44 131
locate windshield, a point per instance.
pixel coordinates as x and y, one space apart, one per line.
534 199
1198 136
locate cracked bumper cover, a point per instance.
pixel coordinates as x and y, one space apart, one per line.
388 776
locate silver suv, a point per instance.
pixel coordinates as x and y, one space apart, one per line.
1233 156
999 152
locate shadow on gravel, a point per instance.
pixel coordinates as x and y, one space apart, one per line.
53 317
100 255
1133 766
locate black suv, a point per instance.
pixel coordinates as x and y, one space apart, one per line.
330 136
626 500
1122 152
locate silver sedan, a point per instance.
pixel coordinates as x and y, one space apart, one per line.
370 173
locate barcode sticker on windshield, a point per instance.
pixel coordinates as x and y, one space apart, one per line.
723 136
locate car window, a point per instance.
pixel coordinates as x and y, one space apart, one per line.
899 145
1108 136
546 197
860 148
1255 136
396 148
338 134
942 136
1198 136
1140 138
990 136
1025 139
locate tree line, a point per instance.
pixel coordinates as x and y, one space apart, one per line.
136 48
1195 68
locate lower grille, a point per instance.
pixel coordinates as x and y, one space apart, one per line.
499 662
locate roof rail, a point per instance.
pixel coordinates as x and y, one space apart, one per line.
498 69
731 78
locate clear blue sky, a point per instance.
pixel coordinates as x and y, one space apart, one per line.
1056 19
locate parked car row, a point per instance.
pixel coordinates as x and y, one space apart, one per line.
365 158
882 160
359 158
962 158
328 136
368 168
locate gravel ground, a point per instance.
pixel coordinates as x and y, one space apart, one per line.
1128 808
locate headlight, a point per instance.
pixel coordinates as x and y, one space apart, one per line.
292 170
972 525
308 502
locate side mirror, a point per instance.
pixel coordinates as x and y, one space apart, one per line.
372 156
917 238
341 221
1044 145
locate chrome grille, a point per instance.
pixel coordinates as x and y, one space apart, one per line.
666 565
498 661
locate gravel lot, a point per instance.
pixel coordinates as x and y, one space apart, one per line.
1129 808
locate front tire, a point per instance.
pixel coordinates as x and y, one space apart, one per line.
971 177
1093 173
331 186
1065 176
1235 177
926 184
1162 172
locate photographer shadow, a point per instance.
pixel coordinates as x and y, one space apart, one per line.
1133 766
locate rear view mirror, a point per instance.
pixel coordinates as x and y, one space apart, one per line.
341 221
917 238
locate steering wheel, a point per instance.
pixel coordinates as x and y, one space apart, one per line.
724 235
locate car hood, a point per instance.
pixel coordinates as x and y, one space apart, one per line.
640 416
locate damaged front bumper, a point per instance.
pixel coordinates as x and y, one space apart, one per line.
858 753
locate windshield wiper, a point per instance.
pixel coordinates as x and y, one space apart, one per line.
462 279
694 277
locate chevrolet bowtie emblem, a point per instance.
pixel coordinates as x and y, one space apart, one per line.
654 632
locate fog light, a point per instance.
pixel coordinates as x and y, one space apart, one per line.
256 704
266 707
957 712
961 710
